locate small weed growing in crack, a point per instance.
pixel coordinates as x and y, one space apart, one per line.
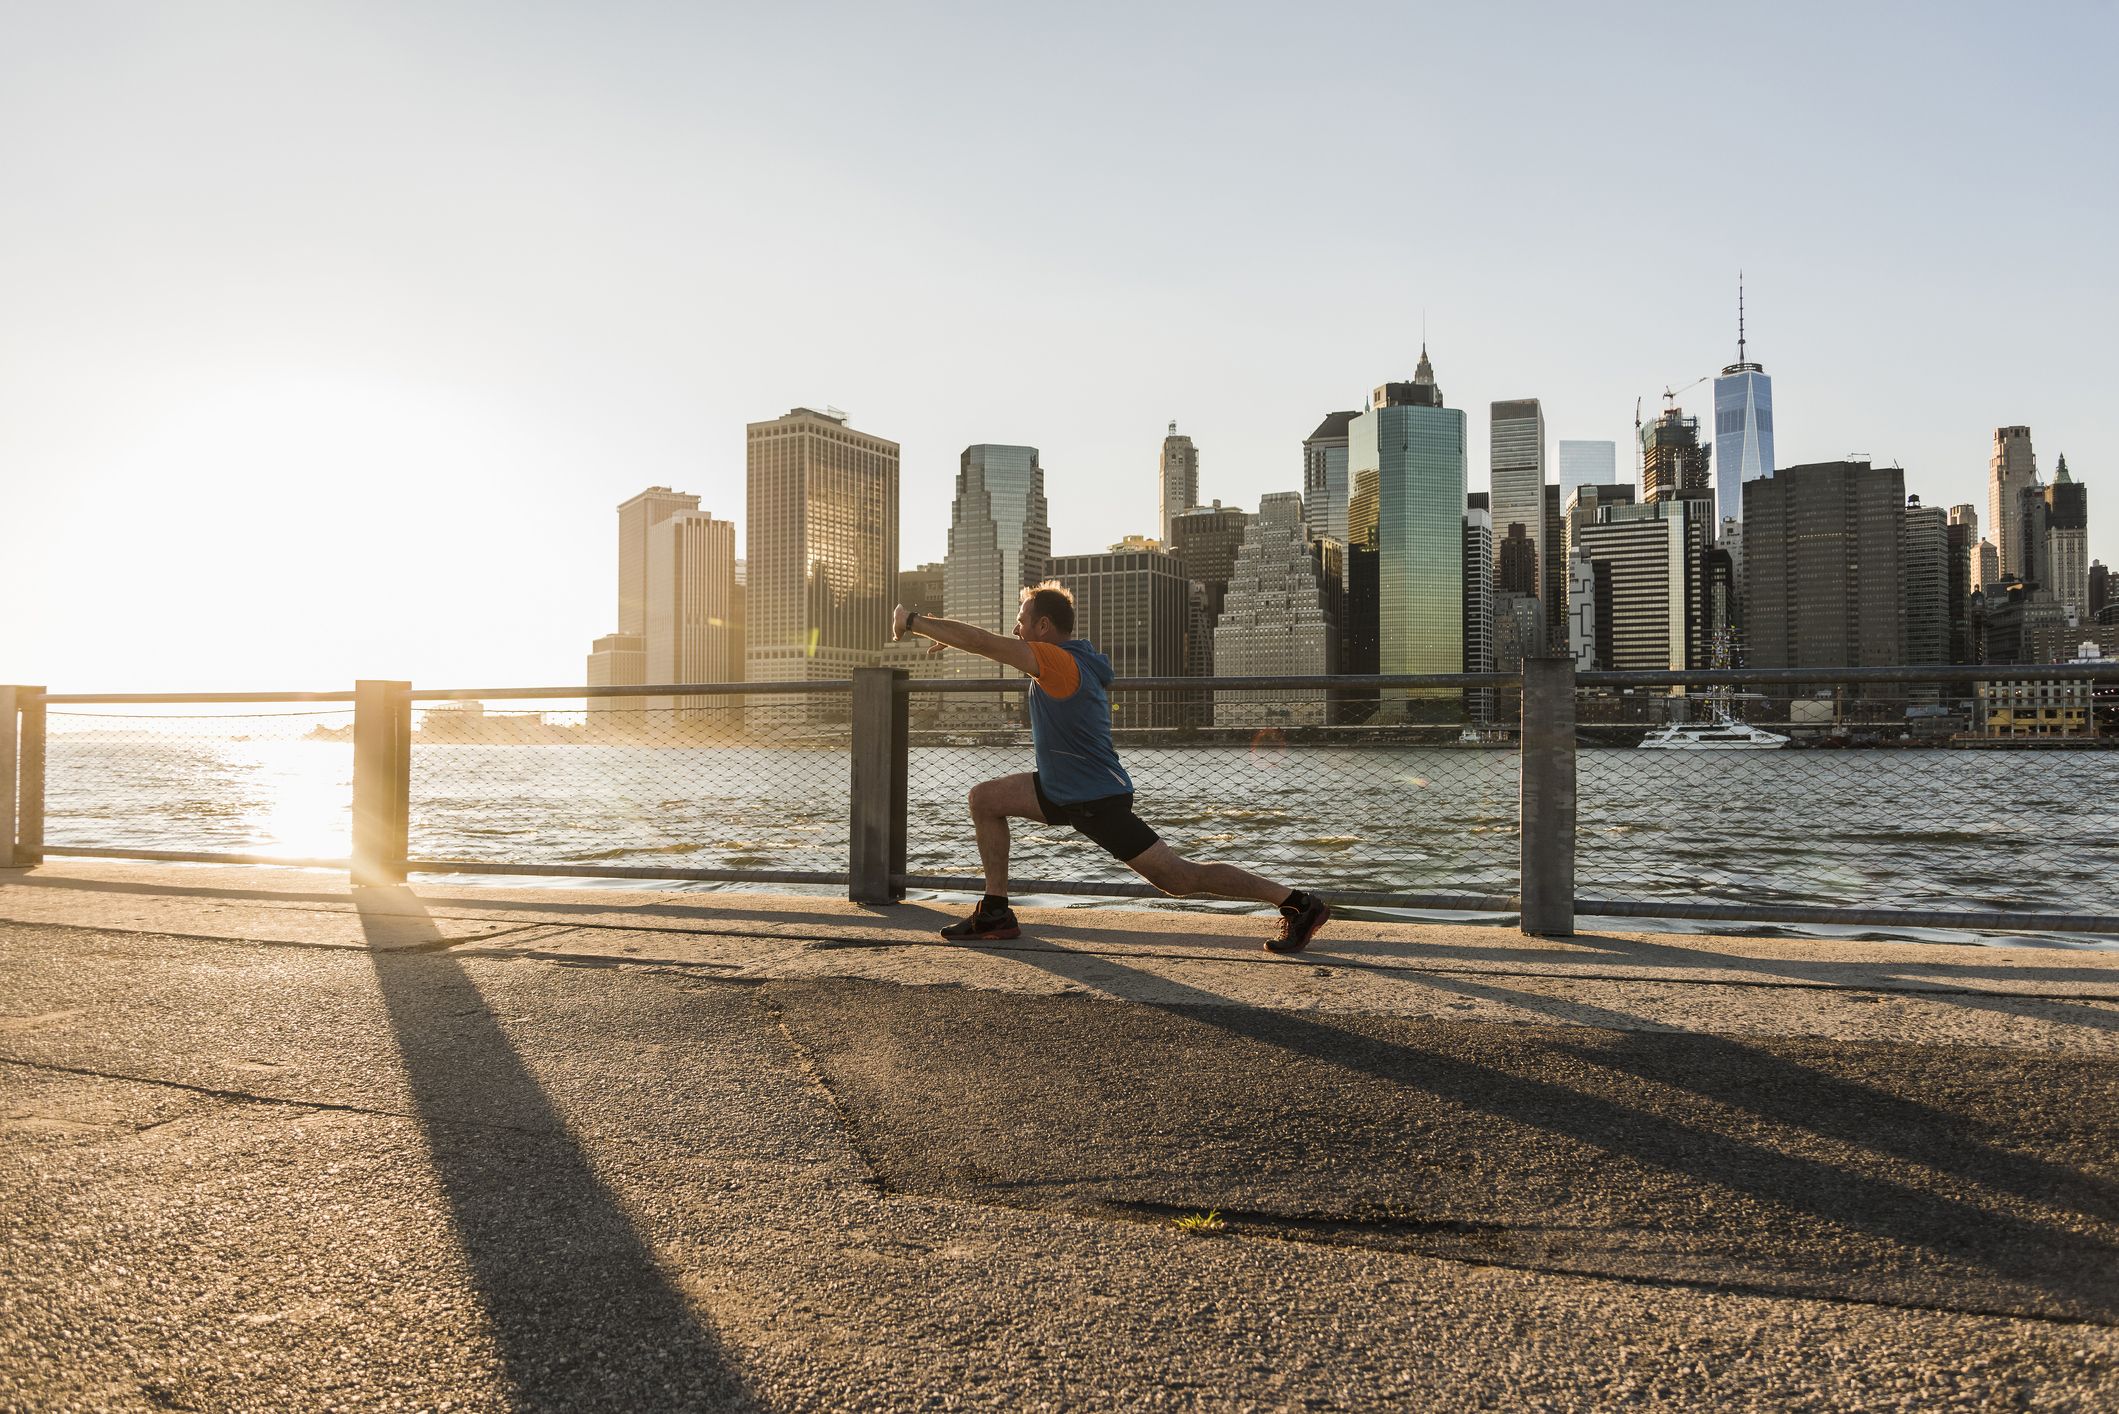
1207 1222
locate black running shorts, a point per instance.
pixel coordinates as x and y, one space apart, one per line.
1109 821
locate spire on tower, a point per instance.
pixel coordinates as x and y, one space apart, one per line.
1739 316
2060 472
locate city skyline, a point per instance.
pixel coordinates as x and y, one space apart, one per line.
272 424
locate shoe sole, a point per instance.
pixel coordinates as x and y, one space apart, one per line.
1322 919
991 935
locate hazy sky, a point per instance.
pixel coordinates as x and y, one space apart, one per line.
331 335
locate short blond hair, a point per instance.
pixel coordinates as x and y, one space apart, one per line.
1051 600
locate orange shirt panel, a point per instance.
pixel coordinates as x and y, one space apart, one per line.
1057 672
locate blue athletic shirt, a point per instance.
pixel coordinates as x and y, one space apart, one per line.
1070 724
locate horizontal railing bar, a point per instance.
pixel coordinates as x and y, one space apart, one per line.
1989 921
56 698
968 884
192 856
622 871
658 689
1309 683
1743 677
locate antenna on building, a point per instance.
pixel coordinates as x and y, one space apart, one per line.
1739 316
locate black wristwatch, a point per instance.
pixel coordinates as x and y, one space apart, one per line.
910 615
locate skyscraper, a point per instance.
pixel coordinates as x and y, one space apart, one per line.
1205 541
2011 471
1517 462
1823 583
1479 601
1178 478
1645 563
691 609
1552 570
1132 605
1324 484
1924 561
635 517
1416 448
999 542
999 538
1959 548
1743 424
1673 463
822 529
1280 617
2101 597
620 658
1587 464
1966 515
1360 654
2066 561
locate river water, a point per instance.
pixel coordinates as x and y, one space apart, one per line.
1880 828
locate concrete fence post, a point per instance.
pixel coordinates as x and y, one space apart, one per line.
1548 797
382 780
10 763
29 776
876 831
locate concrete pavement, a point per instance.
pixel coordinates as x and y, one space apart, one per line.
265 1143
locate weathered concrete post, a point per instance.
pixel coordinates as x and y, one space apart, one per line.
1548 797
29 771
382 780
880 747
10 697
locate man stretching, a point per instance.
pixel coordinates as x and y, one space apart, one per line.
1078 780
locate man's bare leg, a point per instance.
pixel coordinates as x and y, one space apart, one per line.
992 803
1179 877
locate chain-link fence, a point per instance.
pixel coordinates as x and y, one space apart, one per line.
1856 796
1980 799
717 786
251 781
1401 798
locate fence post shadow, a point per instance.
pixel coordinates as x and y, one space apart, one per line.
583 1314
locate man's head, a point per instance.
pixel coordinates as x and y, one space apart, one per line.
1046 615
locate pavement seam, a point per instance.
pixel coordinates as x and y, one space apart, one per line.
251 1097
806 1062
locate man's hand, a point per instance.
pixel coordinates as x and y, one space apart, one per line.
898 616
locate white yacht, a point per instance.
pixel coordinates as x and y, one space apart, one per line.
1718 733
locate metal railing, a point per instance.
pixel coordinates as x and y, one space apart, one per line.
1487 793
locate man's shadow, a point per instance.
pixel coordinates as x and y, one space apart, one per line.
583 1314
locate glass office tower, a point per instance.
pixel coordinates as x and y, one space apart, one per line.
1743 434
1416 448
1743 426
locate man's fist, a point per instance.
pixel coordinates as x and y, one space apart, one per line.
898 616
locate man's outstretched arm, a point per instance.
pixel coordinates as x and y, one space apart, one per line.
952 633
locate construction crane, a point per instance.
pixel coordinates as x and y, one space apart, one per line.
1670 398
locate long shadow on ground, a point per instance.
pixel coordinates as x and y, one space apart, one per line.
1950 1178
584 1316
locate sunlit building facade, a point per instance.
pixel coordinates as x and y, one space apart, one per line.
2012 469
1177 477
822 529
999 544
692 633
1281 617
1415 447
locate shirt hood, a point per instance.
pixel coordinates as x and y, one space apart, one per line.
1085 653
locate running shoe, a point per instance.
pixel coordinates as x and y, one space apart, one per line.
1298 925
984 927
